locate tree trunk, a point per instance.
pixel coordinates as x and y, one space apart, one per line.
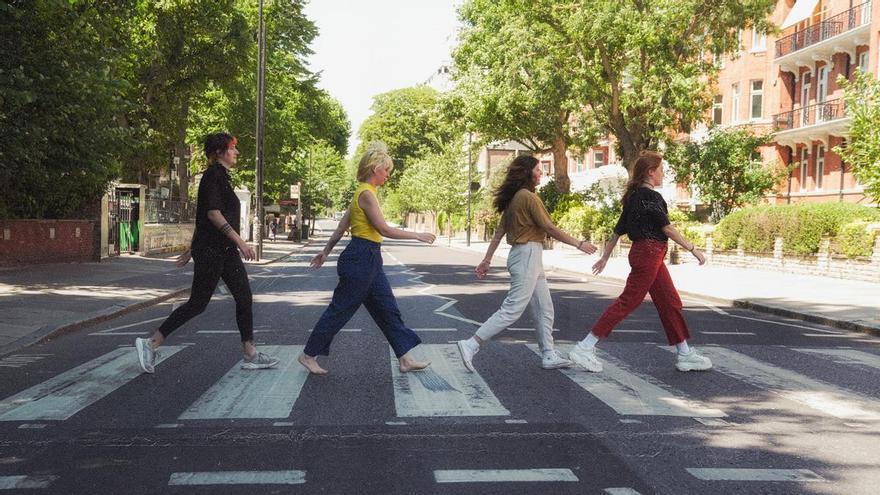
629 155
181 150
560 166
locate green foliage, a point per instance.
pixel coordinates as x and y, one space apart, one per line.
550 195
862 151
856 239
605 198
410 121
801 226
579 220
726 169
436 182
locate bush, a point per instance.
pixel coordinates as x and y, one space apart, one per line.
801 226
564 203
856 239
578 221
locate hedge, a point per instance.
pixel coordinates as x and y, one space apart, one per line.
801 226
856 239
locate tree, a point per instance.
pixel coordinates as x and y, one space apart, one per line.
515 82
726 169
642 68
59 100
862 150
410 122
437 182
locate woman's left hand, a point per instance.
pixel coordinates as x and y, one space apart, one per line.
699 255
318 261
184 258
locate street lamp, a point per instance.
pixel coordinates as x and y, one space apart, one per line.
261 103
470 188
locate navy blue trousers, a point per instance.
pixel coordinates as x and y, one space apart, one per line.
362 281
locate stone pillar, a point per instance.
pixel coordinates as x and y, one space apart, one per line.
823 257
710 247
777 251
875 257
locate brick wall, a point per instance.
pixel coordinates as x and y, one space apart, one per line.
47 241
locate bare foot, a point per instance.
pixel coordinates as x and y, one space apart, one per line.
311 364
408 363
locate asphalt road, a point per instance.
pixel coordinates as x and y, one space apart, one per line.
790 408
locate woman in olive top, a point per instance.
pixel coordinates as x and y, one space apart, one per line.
645 220
526 223
361 278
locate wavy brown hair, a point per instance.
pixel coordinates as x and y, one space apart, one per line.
519 175
647 161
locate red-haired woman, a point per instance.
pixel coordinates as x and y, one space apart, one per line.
645 220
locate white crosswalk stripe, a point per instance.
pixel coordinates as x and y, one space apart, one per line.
68 393
631 393
445 388
254 393
846 356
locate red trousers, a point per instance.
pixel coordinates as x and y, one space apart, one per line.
648 275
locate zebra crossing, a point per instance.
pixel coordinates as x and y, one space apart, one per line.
447 389
631 391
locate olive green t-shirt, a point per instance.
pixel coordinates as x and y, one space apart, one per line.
526 219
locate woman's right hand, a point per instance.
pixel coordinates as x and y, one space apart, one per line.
426 237
247 251
184 258
599 265
699 255
482 269
318 260
587 247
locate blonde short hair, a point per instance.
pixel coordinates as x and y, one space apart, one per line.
374 158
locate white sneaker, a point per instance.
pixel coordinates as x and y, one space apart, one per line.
585 358
260 361
692 362
551 360
146 355
468 350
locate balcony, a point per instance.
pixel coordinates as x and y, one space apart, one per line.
841 33
812 123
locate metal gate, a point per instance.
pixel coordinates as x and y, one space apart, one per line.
119 236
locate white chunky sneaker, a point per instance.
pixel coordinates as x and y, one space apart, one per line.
551 360
260 361
146 355
585 358
692 362
468 349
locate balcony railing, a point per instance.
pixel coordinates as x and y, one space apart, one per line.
159 210
829 28
810 115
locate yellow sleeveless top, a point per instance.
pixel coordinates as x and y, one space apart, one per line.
360 224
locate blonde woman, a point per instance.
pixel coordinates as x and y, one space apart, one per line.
361 278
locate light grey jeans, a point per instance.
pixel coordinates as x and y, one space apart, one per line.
528 287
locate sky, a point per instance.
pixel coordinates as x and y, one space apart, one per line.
368 47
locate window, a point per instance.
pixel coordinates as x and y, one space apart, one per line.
759 41
734 107
599 158
863 61
579 164
821 93
820 166
805 160
739 41
545 167
757 109
717 110
805 98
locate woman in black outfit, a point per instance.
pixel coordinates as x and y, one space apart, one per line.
215 247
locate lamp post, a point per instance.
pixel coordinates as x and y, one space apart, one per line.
261 101
469 188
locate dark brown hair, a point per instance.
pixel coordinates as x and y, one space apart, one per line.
217 143
519 175
647 161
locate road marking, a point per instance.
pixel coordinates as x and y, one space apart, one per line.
168 425
502 475
793 386
395 423
630 393
621 491
727 333
446 388
515 421
232 331
631 421
834 336
239 478
435 329
109 330
713 422
743 474
66 394
32 426
525 329
634 331
846 356
20 482
282 423
254 393
343 330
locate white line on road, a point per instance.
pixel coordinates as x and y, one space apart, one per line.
64 395
446 388
818 395
502 475
109 330
621 491
239 478
20 482
846 356
254 393
525 329
435 329
630 393
743 474
727 333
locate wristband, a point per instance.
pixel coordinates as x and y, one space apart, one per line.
581 244
225 228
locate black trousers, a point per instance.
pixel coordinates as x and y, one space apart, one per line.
211 265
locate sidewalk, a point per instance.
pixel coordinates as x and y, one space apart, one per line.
846 304
41 301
